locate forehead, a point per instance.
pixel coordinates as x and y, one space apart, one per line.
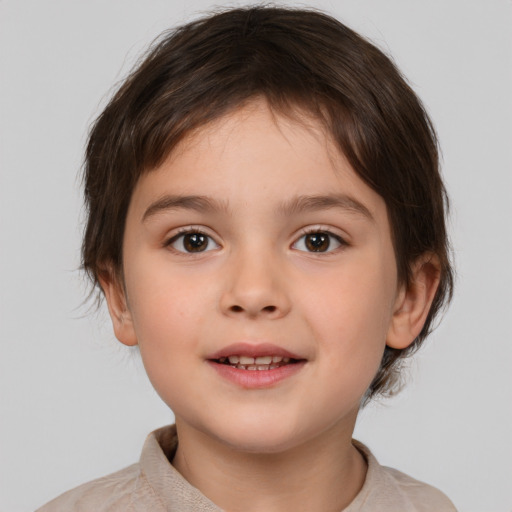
257 156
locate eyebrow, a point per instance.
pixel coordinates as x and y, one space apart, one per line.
296 205
302 204
201 204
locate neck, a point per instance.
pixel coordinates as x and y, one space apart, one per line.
325 473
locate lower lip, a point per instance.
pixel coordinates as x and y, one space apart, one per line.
255 379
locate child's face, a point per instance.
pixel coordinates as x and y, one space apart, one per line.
254 185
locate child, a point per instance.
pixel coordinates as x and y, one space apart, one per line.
266 220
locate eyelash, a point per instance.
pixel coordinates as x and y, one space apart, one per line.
312 231
320 231
181 234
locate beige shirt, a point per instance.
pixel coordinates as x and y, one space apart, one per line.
154 485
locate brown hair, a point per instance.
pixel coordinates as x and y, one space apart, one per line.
295 59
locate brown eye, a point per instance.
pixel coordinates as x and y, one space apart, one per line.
192 242
318 241
195 242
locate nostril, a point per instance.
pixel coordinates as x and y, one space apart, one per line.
238 309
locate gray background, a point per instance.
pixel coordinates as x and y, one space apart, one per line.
75 404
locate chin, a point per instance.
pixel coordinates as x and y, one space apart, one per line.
257 436
261 445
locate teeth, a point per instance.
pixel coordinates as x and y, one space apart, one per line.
253 367
255 363
263 360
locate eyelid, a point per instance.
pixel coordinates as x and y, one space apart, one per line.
182 231
189 230
321 229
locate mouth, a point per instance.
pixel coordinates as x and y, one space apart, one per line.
256 366
260 363
255 357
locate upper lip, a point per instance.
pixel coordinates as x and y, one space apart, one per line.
253 350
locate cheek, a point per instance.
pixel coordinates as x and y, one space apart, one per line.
163 298
349 313
168 326
168 312
354 298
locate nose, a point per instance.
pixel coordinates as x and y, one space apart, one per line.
255 287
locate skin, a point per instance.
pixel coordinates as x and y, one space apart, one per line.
288 446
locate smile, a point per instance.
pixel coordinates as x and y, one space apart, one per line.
256 363
255 366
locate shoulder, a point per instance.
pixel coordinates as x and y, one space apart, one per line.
151 484
420 495
388 490
111 493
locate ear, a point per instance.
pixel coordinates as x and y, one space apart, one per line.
120 314
413 302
